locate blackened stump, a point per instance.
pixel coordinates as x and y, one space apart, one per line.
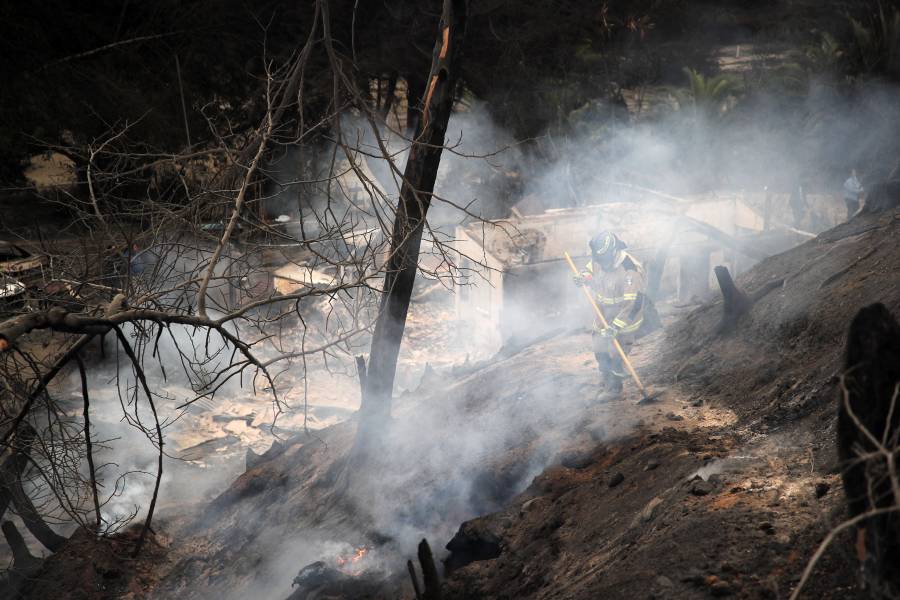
869 392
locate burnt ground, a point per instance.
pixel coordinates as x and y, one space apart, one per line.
775 491
724 487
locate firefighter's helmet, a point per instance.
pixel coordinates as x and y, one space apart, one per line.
603 242
607 249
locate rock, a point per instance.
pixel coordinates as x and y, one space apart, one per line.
616 479
664 582
721 588
576 460
693 575
673 417
767 527
697 403
822 488
883 196
651 464
646 515
476 540
701 488
532 504
784 539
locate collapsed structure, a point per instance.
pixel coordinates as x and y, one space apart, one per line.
525 291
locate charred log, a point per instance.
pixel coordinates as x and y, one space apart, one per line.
318 580
868 417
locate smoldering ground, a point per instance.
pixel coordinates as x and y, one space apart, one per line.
450 456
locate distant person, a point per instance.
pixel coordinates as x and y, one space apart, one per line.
617 281
799 205
853 190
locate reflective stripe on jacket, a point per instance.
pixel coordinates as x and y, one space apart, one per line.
620 293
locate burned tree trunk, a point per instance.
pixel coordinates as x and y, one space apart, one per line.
735 302
868 438
430 577
415 198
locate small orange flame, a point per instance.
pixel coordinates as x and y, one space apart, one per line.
347 563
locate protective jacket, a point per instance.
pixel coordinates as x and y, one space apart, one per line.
620 292
852 189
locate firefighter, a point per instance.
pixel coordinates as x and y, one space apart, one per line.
617 281
853 191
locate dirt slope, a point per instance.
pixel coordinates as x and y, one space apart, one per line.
524 441
750 529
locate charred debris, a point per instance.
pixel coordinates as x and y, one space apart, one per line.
290 306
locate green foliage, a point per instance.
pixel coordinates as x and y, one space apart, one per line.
876 44
707 95
827 55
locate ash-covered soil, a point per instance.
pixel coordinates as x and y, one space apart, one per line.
771 491
723 487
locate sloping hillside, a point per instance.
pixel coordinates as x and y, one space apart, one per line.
771 489
723 487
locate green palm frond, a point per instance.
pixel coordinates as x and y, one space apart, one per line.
707 94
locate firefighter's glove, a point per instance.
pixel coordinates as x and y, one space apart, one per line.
606 332
579 280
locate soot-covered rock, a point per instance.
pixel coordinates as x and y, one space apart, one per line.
883 196
318 580
476 540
